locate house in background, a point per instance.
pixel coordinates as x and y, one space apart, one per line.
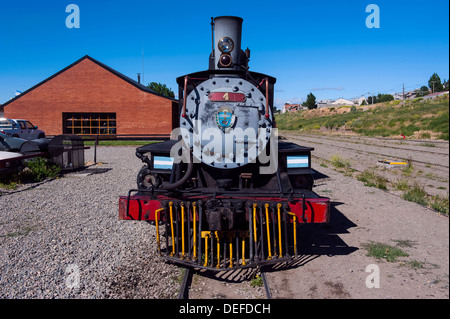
90 98
291 108
342 102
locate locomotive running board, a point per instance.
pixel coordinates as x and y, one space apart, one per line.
271 236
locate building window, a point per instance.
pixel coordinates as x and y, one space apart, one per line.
89 123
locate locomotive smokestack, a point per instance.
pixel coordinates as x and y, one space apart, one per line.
227 42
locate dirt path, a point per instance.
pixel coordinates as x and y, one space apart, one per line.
333 259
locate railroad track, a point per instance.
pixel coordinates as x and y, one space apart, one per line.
329 141
187 280
357 140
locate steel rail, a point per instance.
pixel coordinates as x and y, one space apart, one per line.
187 279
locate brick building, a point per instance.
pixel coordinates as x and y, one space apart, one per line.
90 98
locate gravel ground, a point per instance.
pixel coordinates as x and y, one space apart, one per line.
62 238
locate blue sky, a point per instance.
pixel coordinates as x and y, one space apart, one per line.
322 47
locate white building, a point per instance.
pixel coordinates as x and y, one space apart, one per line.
342 101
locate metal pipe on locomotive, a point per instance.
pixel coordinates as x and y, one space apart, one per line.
224 193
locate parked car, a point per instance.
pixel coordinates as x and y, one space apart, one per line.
20 128
9 163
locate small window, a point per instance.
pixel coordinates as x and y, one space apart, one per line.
5 124
22 125
29 125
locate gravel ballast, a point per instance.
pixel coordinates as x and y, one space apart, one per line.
62 238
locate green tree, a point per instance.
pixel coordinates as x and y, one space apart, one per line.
434 83
424 90
384 98
161 89
310 101
445 84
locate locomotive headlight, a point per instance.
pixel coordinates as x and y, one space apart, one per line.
226 45
225 60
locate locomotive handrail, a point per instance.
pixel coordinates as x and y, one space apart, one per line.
267 98
183 114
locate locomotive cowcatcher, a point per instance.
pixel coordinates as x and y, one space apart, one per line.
224 192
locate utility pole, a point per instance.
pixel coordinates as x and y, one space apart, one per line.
433 86
403 91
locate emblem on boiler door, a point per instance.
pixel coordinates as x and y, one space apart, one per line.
225 118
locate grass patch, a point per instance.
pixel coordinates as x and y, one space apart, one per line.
416 194
257 281
440 204
402 185
415 264
119 143
427 144
408 169
339 162
384 251
10 183
22 232
405 243
372 179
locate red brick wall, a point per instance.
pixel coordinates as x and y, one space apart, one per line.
88 87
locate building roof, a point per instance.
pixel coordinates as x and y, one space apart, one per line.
342 101
117 73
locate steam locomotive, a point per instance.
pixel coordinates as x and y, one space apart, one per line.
224 192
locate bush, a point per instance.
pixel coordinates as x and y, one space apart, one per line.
38 169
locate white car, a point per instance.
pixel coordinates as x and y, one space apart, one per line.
9 163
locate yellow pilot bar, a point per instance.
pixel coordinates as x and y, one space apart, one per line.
171 228
279 229
243 251
231 251
182 230
206 235
254 221
157 228
194 206
218 250
268 232
295 231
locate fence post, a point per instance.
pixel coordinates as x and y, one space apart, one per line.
95 149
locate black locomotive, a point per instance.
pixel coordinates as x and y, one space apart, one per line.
224 192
